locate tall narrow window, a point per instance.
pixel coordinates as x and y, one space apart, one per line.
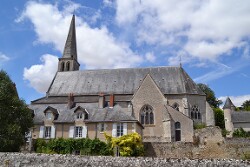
78 131
67 66
147 115
195 112
62 66
177 131
47 133
119 130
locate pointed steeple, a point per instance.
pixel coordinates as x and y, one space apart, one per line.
228 104
69 62
70 45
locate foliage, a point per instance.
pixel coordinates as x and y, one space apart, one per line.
129 145
210 95
199 126
246 155
224 132
240 133
246 105
219 118
15 117
86 146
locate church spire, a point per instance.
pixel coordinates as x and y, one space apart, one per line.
69 62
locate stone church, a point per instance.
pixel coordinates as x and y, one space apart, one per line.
162 104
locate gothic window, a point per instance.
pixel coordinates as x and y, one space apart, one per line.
67 66
62 66
81 114
147 115
177 131
176 106
49 115
195 112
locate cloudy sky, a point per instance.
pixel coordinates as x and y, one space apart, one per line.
209 37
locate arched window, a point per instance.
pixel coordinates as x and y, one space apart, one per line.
62 66
176 106
147 115
195 112
67 66
177 131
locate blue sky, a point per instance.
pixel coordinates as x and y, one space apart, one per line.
210 37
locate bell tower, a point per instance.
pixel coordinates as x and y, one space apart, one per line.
69 62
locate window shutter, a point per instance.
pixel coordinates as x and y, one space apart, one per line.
84 131
41 132
71 131
114 130
53 131
125 129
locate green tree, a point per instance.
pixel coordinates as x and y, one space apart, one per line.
129 145
15 117
246 105
210 95
219 118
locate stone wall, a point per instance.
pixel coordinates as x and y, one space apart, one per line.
45 160
208 143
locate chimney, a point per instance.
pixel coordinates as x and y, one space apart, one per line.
101 100
71 101
111 101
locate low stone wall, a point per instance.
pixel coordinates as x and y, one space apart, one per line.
45 160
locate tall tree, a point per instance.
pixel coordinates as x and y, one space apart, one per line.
210 95
246 105
15 117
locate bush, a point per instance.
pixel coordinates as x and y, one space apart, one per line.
129 145
86 146
240 133
199 126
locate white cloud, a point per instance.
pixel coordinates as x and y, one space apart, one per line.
150 57
3 58
237 100
41 75
97 47
205 29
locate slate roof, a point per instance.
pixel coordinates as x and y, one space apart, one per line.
95 114
240 116
170 80
228 104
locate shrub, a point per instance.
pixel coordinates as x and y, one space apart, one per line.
240 133
199 126
129 145
86 146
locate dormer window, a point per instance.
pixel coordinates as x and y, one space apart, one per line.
81 113
49 115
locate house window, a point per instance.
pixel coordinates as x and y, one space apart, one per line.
147 115
119 130
176 106
49 115
79 115
78 131
102 128
47 133
195 112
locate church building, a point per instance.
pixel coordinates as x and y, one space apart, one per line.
162 104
